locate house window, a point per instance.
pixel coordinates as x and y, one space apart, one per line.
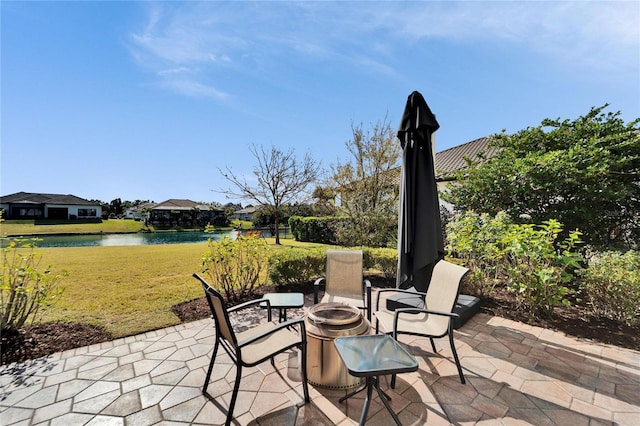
87 212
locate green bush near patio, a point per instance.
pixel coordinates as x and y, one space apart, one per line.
382 259
526 259
237 267
611 285
26 288
293 265
476 240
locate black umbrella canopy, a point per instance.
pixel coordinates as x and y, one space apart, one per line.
420 243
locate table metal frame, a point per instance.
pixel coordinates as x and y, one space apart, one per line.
371 356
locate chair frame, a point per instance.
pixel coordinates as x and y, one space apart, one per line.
409 311
365 292
234 348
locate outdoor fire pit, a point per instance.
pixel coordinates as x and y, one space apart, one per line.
324 322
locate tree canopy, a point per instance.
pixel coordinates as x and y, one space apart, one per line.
584 173
367 186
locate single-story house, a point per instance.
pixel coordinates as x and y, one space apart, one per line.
244 214
138 212
30 206
178 212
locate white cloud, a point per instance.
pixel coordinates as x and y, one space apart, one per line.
193 89
204 38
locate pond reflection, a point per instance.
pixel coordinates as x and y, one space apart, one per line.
132 239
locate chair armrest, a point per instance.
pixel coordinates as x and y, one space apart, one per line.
316 288
397 313
425 311
275 328
367 289
245 305
396 290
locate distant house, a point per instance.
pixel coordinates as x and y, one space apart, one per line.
138 212
30 206
244 214
178 212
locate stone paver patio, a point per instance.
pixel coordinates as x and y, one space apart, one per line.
516 374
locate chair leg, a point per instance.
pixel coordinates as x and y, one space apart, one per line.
213 360
303 354
455 357
433 345
234 395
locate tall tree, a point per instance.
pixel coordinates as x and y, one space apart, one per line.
367 186
585 173
281 179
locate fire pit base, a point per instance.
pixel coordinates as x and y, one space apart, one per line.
324 322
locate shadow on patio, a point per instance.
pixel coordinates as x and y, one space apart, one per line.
515 374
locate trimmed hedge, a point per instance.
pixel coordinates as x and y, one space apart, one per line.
383 259
313 229
298 265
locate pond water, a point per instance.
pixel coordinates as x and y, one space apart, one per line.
132 239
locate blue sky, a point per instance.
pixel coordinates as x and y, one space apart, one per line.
146 100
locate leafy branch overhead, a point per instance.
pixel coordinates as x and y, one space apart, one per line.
584 172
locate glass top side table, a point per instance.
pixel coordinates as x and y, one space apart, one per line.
371 356
283 301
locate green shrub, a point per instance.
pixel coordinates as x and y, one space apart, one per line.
526 258
611 285
538 268
291 265
382 259
237 267
26 288
314 229
477 240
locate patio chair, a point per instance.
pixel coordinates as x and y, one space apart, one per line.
343 282
437 317
255 345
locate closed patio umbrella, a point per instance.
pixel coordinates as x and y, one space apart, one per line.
420 243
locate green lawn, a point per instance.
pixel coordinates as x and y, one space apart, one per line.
127 289
30 227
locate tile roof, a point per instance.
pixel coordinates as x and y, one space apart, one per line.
36 198
451 160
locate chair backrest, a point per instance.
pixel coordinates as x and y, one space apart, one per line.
344 272
219 312
443 288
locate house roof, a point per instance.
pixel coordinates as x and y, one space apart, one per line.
451 160
180 204
246 210
37 198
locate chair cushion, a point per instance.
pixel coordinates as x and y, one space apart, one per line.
405 300
466 306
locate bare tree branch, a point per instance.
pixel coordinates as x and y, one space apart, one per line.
281 179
